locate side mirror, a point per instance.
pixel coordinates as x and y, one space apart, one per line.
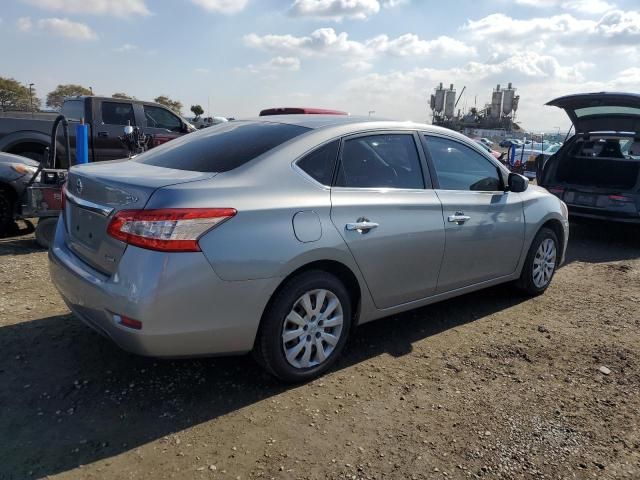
517 183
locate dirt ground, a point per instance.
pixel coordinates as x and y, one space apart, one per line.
489 385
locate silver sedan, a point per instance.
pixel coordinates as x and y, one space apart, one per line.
279 235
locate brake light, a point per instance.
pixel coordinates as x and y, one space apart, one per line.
63 196
128 322
167 229
620 198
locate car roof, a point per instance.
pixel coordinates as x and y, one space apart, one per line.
359 122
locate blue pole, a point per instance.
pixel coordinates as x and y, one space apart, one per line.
82 143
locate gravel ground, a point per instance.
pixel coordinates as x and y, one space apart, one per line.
489 385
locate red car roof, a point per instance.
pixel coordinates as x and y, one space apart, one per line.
300 111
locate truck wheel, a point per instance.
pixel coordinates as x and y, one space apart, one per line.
6 210
45 231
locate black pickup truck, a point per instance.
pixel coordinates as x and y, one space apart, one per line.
29 134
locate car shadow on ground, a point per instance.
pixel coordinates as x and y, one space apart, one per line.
19 240
69 397
593 241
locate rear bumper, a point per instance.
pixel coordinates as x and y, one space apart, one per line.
185 309
601 214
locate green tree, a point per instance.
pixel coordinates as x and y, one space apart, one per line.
174 105
124 96
15 96
57 96
197 111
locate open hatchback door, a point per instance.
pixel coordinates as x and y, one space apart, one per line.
601 112
597 171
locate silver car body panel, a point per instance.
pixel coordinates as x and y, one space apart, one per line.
211 302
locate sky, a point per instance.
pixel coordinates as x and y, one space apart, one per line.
236 57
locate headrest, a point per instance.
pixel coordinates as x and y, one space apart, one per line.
634 150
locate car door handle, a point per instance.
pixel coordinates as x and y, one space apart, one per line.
459 218
361 226
103 134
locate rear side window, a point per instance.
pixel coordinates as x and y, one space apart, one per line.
117 113
319 164
222 147
73 109
380 161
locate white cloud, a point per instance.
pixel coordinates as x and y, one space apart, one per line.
127 47
326 41
118 8
629 77
276 64
335 9
616 27
66 28
580 6
357 65
201 70
339 10
226 7
25 24
410 44
62 27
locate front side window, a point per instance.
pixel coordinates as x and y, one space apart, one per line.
459 167
114 113
160 118
222 147
380 161
319 164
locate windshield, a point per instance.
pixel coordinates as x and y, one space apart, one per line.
222 147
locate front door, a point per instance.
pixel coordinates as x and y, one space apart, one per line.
484 225
162 124
390 218
112 117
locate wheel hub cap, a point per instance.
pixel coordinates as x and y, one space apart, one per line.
312 328
544 263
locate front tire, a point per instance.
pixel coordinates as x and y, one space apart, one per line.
540 264
305 327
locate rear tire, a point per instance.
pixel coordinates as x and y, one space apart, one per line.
45 231
304 328
540 264
6 211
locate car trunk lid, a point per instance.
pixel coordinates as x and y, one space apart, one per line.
95 192
602 112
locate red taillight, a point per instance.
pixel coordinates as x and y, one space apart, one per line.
620 198
128 322
167 229
63 196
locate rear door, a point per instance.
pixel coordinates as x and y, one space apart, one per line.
387 213
110 120
484 225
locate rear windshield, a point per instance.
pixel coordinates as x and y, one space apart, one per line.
222 147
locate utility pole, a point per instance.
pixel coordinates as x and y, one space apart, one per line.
31 96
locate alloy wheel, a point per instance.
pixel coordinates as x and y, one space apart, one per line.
312 329
544 263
